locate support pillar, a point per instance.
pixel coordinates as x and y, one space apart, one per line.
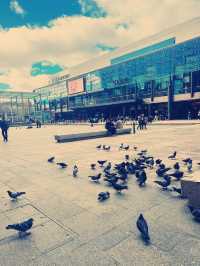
170 102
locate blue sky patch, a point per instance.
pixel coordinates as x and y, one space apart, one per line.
45 68
4 86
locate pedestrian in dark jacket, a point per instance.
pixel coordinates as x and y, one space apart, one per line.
4 129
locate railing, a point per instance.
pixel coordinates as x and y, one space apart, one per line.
100 100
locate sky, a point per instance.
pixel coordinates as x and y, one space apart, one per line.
41 38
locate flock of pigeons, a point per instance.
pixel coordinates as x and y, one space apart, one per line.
117 177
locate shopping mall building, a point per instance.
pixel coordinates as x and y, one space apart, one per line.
161 72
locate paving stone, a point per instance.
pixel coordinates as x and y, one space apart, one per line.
70 226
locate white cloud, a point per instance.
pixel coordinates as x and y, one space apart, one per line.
71 40
17 8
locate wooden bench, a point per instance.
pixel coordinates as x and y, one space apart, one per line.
90 135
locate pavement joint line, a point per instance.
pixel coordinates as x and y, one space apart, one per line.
55 221
45 252
15 208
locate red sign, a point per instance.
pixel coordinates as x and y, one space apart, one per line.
75 86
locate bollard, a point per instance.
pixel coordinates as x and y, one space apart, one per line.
133 127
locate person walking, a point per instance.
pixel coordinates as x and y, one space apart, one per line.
4 129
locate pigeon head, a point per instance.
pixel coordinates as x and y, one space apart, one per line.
141 216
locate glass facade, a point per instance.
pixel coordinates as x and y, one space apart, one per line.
144 50
149 76
175 67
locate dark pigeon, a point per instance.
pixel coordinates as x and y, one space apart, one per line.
15 195
178 175
177 190
95 178
99 146
186 160
162 171
21 227
164 184
93 166
173 156
158 161
101 163
143 228
142 177
119 187
102 196
51 159
62 165
176 166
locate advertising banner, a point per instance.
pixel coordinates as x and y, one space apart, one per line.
75 86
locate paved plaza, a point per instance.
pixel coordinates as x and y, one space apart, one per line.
70 226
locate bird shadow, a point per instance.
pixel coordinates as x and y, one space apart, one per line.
16 237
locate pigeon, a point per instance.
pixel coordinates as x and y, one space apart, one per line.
109 174
93 166
108 167
164 184
161 171
150 163
121 146
51 159
158 161
98 147
127 157
142 177
178 175
119 187
21 227
123 176
62 165
195 212
186 160
173 156
75 171
144 151
126 148
143 228
189 165
106 148
112 179
15 195
95 178
102 162
176 166
178 190
102 196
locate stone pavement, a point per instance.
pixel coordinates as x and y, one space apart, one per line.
70 226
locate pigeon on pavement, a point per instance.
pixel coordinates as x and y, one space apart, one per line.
51 159
22 227
15 195
143 228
